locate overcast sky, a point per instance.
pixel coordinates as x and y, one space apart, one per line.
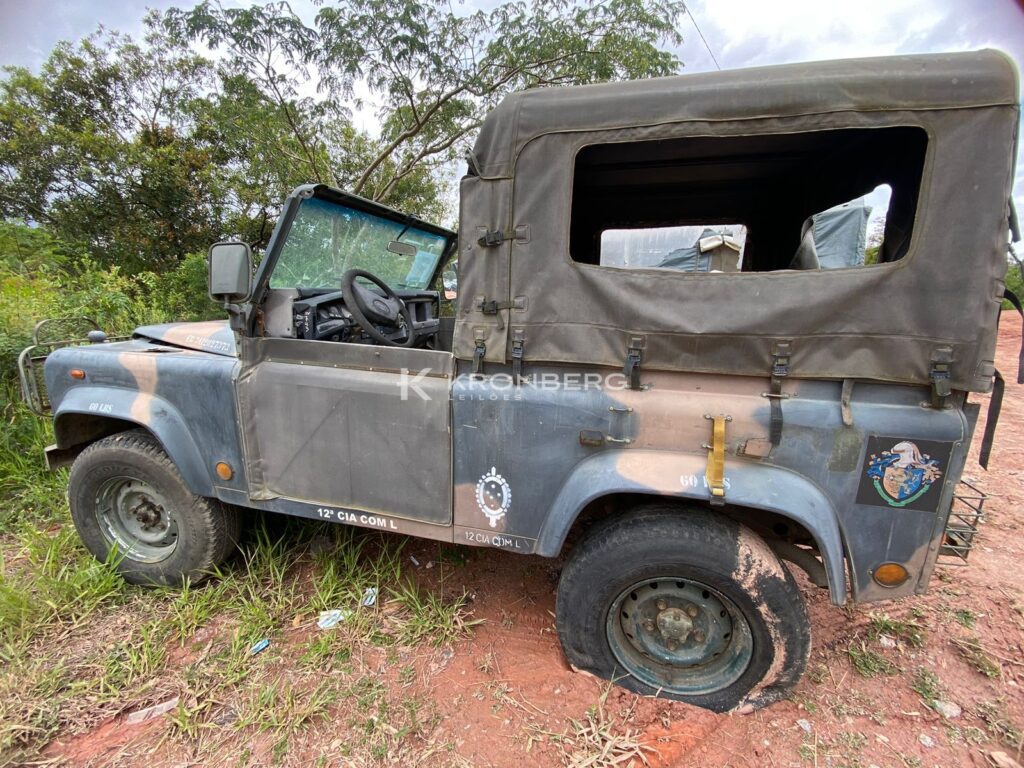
741 33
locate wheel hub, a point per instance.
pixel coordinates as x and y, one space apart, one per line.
135 518
679 635
149 515
674 624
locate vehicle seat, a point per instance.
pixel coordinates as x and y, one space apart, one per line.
806 256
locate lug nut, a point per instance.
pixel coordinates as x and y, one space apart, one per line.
671 645
662 605
649 625
691 610
698 636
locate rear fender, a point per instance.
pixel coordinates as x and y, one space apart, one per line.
87 413
664 473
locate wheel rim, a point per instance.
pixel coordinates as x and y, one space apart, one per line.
680 636
136 518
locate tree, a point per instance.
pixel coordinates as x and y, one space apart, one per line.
434 73
97 147
144 151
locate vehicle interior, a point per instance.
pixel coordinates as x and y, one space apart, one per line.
355 272
771 185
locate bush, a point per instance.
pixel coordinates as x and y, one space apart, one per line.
1014 282
43 279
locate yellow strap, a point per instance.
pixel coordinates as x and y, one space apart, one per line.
715 473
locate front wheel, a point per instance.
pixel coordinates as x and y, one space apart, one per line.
683 604
126 494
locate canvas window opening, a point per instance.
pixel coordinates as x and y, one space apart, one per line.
802 201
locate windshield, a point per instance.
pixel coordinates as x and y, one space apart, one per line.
328 239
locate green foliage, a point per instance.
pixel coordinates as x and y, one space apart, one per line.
139 152
1014 281
42 277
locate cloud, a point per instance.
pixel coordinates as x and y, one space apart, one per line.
748 34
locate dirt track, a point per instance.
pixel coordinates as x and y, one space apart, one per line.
505 696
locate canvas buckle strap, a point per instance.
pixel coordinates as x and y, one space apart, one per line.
995 403
492 238
715 472
941 377
479 351
518 342
780 369
495 307
492 306
634 354
1011 297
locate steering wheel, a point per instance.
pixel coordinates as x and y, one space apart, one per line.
370 310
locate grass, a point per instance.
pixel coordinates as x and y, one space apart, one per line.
911 632
869 663
79 646
975 655
926 685
1000 725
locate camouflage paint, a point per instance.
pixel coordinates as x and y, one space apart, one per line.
184 397
525 442
211 336
531 437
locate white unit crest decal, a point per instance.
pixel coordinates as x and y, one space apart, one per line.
493 496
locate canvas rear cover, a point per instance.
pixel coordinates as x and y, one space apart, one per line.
885 322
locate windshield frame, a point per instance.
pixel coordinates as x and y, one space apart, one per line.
322 192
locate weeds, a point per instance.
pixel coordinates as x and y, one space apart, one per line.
432 616
994 714
926 684
869 663
965 617
909 631
595 742
976 656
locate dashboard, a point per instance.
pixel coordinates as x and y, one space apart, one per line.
321 315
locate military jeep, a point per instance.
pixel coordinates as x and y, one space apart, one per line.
668 362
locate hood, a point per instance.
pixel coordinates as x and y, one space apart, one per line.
213 336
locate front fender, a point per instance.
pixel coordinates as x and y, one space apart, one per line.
664 473
90 406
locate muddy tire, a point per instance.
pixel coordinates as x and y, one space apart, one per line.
126 493
686 605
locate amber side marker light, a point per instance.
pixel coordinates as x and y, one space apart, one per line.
76 373
224 470
891 574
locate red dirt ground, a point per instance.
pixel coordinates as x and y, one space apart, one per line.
501 693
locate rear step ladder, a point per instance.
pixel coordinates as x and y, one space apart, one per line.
966 514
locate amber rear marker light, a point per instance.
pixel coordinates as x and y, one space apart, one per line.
76 373
224 471
891 574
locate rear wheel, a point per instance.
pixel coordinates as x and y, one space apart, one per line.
686 605
126 494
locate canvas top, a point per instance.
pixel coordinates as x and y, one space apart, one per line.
920 82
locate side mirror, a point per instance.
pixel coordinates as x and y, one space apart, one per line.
450 281
230 272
